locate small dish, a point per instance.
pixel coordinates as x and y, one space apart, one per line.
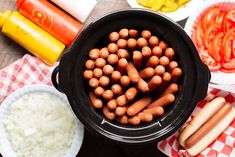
5 146
178 15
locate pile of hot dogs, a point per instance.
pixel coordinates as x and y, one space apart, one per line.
133 78
206 126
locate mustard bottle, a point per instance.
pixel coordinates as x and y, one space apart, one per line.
31 37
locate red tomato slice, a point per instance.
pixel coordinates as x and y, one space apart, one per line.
227 45
209 61
210 33
231 15
219 19
216 46
227 71
233 47
229 65
209 17
198 35
229 20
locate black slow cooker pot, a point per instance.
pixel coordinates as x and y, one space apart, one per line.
194 82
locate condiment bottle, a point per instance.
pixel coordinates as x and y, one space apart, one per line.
31 37
50 18
80 9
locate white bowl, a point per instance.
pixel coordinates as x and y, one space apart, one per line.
216 77
5 146
178 15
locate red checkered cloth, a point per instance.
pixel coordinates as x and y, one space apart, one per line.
224 146
26 71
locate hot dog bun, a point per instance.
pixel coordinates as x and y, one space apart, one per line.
212 134
208 111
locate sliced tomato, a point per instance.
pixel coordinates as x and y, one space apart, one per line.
198 35
231 15
219 19
233 47
209 17
216 46
227 45
210 33
210 62
227 71
229 65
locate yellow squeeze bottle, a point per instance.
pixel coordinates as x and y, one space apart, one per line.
31 37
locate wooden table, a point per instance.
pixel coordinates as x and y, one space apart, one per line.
92 146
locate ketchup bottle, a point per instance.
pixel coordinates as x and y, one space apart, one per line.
50 18
31 37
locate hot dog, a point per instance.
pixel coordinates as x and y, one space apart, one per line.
108 114
134 120
206 126
122 64
146 52
132 73
112 104
147 73
171 89
121 100
131 93
152 62
163 101
138 106
155 111
176 73
120 111
122 120
137 59
154 82
145 117
96 102
142 85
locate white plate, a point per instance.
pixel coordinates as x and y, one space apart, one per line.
5 147
216 77
178 15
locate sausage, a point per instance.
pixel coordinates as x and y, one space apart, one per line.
147 73
171 89
141 42
108 69
163 45
99 91
116 75
122 120
121 43
90 64
137 59
114 36
155 111
104 53
153 41
146 52
152 62
112 59
172 65
145 117
112 48
133 33
100 62
122 64
166 78
176 73
109 115
120 111
134 120
157 51
104 81
162 101
146 34
169 53
131 93
97 73
164 61
121 100
112 104
93 82
117 89
123 53
96 102
138 106
132 73
125 81
94 54
88 74
108 95
131 43
123 33
217 117
154 82
160 70
142 86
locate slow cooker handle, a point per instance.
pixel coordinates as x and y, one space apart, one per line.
54 78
